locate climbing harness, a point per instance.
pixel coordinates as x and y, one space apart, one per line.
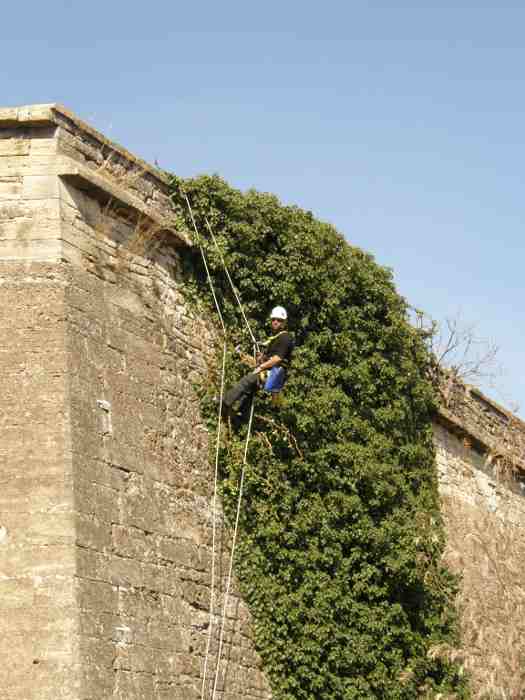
275 378
284 362
217 451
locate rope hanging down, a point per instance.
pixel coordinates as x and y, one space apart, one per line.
217 450
234 541
208 276
234 289
214 523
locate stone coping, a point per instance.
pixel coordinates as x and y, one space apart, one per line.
70 167
49 114
85 179
489 427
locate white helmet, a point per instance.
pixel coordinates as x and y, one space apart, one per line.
280 313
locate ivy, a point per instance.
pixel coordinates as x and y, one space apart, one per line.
341 535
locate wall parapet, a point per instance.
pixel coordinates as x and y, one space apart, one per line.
44 150
489 428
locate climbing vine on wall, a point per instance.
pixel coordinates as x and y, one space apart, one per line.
341 535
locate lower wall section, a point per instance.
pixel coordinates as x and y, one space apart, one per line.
38 616
485 520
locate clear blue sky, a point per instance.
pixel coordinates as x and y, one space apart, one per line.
402 124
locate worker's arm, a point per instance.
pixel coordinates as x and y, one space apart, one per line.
268 364
249 359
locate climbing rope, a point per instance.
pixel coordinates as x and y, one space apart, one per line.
234 541
214 523
233 287
208 275
217 451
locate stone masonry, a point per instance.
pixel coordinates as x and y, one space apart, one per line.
105 499
480 451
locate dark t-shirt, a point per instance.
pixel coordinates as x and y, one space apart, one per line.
281 345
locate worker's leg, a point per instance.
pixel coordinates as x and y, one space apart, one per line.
277 398
275 380
242 391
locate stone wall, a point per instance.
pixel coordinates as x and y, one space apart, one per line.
479 449
105 517
38 618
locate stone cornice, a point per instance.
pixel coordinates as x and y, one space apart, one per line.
490 428
54 142
58 115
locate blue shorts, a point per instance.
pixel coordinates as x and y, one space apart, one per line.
275 379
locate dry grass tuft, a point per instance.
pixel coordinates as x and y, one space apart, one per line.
145 233
133 232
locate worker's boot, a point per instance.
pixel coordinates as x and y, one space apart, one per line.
226 411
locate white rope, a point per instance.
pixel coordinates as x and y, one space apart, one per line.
217 450
214 525
234 541
210 283
234 289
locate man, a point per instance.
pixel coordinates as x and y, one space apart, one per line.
270 367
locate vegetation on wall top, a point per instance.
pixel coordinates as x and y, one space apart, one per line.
341 534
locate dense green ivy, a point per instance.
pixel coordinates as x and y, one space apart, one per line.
341 539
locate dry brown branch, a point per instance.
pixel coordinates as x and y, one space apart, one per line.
459 353
285 431
265 439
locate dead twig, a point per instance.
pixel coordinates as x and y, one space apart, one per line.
292 441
